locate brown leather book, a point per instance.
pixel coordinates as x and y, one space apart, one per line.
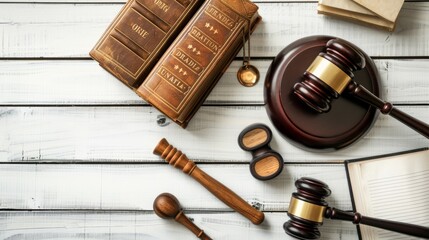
139 35
192 65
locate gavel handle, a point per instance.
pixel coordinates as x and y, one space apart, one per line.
181 218
365 95
357 218
179 160
227 196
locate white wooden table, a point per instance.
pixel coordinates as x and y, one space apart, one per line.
76 145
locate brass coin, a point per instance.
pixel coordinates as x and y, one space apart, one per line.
248 75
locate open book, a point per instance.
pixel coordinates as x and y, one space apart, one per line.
392 187
173 52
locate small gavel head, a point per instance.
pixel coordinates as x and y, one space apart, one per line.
307 208
329 75
167 206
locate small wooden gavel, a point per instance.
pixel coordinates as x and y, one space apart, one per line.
166 205
308 208
331 74
180 161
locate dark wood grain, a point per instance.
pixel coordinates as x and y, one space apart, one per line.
318 94
345 123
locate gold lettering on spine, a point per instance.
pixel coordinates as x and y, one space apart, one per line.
205 40
139 30
188 61
220 17
173 80
162 5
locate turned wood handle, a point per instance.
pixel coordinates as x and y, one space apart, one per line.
180 161
365 95
228 196
182 219
357 218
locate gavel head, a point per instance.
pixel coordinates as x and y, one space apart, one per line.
307 208
166 205
329 75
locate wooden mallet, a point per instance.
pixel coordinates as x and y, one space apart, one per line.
179 160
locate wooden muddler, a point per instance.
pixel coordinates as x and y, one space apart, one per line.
179 160
167 206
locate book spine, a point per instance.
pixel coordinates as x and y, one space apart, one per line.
139 35
195 61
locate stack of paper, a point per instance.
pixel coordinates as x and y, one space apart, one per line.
380 13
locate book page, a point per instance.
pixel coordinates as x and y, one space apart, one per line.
386 9
392 188
346 5
354 16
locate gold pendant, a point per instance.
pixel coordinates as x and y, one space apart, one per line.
247 75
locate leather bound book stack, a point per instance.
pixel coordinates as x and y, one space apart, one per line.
379 13
173 52
139 35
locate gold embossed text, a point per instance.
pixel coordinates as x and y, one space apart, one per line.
162 5
173 80
221 17
139 30
206 41
188 61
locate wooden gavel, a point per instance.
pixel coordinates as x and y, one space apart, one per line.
167 206
179 160
331 74
308 208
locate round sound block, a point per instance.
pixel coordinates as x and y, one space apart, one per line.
347 121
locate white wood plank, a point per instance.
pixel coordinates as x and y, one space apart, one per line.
135 186
402 81
123 1
27 82
114 200
65 30
137 225
131 133
85 82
